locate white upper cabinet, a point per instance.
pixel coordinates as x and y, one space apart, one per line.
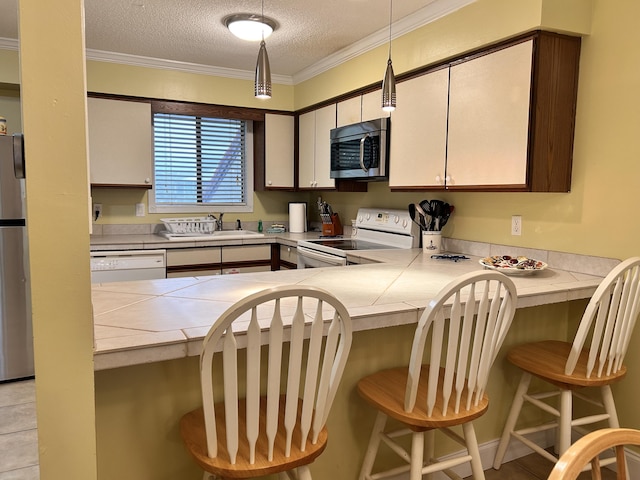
360 109
419 131
372 106
489 108
120 143
349 111
314 148
279 151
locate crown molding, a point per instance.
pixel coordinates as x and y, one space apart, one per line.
149 62
424 16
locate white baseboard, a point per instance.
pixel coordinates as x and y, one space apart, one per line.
518 449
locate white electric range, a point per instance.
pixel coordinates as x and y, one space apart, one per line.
375 229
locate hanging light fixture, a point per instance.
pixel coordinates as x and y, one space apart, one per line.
389 81
263 71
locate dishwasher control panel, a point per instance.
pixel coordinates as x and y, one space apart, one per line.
110 266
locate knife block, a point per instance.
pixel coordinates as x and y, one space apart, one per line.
333 228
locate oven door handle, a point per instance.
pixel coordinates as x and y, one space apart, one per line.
334 260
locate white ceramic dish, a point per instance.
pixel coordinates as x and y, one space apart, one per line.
513 265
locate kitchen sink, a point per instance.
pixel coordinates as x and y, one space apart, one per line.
217 235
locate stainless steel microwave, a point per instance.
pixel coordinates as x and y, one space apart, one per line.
361 151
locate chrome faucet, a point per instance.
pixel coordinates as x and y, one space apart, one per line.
218 220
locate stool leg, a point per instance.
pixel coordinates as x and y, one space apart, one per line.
510 424
374 444
429 450
565 421
304 473
472 446
417 451
609 406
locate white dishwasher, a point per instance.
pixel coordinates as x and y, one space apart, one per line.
126 265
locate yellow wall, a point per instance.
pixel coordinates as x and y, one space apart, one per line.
54 125
595 218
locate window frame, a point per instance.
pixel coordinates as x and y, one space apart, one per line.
253 119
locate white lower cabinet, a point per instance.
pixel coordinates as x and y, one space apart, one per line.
193 262
246 258
288 257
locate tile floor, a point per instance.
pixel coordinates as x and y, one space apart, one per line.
18 433
19 442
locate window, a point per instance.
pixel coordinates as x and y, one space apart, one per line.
201 164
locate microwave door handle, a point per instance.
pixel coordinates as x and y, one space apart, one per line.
362 140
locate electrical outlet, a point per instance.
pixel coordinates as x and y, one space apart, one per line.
97 211
516 225
139 209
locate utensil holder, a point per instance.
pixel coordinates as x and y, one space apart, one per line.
431 242
331 225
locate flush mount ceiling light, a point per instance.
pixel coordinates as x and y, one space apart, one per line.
250 27
389 81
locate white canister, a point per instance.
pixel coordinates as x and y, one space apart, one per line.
431 242
3 126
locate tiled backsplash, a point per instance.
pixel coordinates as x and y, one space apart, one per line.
572 262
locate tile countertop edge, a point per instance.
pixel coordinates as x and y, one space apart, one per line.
363 318
586 271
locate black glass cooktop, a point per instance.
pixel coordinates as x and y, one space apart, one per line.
350 244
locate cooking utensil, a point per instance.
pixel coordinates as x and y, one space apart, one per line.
447 213
413 214
424 215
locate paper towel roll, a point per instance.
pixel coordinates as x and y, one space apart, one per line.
297 217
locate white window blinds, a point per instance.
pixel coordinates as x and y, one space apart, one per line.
199 160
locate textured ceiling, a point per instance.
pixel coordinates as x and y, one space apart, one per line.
192 31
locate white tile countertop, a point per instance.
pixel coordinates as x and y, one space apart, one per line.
155 320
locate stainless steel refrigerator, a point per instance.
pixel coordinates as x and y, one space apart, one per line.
16 335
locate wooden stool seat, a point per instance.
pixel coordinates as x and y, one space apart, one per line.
384 390
547 360
194 436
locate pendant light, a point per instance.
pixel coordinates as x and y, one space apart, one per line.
263 71
389 81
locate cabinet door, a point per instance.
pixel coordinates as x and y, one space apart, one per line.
288 257
306 149
372 106
349 111
419 132
489 118
246 253
360 109
279 146
325 121
120 142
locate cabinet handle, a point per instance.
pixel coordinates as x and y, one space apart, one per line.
269 182
147 180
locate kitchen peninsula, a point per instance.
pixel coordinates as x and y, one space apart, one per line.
148 334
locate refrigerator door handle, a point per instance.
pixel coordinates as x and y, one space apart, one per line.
18 155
